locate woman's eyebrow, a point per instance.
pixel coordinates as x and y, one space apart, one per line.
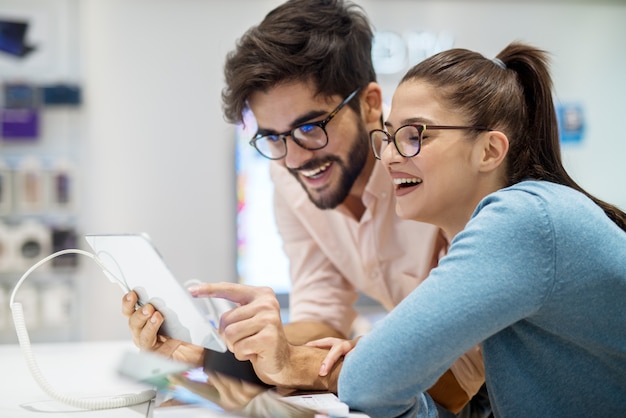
418 121
411 121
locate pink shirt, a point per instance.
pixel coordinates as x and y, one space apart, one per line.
332 256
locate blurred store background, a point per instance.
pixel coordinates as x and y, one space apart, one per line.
111 123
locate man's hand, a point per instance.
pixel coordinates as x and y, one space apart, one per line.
144 324
254 331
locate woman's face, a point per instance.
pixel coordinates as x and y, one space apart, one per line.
444 182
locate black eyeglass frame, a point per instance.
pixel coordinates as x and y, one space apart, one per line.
421 128
320 124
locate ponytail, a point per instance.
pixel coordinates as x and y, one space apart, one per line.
514 95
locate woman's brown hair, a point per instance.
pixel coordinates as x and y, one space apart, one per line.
511 93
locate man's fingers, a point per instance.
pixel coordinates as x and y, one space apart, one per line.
128 304
138 319
264 310
234 292
144 325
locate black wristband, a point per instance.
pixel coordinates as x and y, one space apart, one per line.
226 364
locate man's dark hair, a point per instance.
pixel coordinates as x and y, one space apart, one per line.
326 42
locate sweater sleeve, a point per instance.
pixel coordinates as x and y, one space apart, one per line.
499 269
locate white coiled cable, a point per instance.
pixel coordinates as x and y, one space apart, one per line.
119 401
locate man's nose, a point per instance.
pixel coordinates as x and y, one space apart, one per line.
296 155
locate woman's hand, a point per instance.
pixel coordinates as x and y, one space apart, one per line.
337 348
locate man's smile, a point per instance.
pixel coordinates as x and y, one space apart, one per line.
316 172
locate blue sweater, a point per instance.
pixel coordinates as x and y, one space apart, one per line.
538 276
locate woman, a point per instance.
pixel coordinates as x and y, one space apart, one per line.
535 273
536 269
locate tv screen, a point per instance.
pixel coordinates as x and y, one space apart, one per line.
261 260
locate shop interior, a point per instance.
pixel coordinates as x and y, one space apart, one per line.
111 123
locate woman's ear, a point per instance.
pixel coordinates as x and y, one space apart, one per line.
495 149
372 103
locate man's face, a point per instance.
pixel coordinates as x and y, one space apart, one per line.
328 174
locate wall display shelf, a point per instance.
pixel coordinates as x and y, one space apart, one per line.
40 120
38 216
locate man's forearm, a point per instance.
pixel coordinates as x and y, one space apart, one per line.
305 362
303 368
301 332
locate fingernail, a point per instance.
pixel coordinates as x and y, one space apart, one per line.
153 319
322 369
128 298
145 311
193 289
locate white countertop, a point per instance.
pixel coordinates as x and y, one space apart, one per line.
86 369
83 370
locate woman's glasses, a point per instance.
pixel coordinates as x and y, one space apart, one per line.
408 138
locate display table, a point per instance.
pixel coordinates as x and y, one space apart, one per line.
86 369
82 370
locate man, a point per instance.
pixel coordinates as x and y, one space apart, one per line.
306 74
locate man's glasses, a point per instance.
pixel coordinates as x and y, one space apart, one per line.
310 136
408 138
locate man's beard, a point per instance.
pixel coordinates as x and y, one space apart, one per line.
350 171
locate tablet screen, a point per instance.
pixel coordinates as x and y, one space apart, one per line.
132 261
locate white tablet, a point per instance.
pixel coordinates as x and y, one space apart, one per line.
134 263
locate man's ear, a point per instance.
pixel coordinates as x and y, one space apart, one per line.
371 103
495 150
